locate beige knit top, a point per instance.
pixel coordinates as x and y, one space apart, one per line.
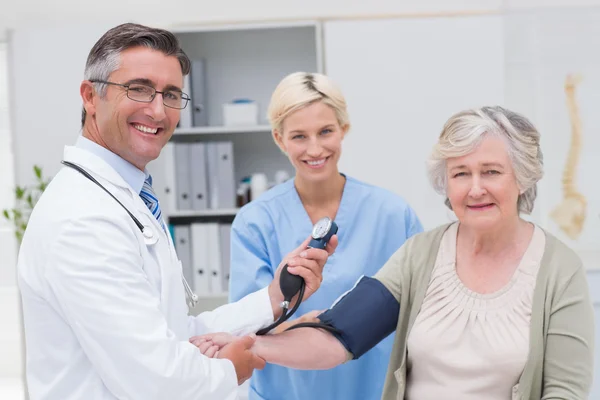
465 345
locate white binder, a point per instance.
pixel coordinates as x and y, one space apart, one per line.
185 118
163 179
184 251
198 81
226 179
221 176
212 172
225 237
200 258
198 176
182 176
214 257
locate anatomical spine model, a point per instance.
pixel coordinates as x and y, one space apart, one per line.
570 213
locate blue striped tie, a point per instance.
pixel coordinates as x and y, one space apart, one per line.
147 194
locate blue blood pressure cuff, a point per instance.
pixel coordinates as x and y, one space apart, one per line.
364 316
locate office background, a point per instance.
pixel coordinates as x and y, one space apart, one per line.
404 66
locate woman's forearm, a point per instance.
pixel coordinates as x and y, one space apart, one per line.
302 348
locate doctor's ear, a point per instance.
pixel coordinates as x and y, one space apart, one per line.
89 96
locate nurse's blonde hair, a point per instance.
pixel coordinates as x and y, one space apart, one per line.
301 89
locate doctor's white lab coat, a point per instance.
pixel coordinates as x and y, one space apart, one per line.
104 309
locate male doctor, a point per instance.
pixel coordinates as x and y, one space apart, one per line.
104 304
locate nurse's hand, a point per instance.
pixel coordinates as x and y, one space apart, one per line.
307 263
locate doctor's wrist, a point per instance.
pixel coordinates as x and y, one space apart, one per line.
276 298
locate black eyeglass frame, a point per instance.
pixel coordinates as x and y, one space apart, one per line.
184 96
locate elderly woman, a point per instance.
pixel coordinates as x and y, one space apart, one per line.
489 307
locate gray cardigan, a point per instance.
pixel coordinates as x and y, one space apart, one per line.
560 360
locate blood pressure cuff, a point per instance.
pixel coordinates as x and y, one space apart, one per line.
365 316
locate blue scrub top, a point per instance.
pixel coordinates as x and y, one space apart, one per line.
373 224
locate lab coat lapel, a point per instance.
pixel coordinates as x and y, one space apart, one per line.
95 165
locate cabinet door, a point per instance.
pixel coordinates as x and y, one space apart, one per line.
403 78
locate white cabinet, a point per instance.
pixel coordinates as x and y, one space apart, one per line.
232 63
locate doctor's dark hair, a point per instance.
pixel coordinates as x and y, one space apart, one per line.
105 56
464 131
301 89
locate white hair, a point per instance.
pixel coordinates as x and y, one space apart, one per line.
464 131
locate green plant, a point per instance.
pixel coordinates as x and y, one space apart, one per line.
26 197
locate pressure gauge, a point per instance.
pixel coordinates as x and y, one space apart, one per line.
321 228
322 231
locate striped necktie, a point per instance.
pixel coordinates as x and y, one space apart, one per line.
147 194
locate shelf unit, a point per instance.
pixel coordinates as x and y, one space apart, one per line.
240 61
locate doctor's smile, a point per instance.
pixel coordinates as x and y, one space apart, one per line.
146 129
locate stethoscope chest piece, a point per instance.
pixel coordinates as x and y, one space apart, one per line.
149 236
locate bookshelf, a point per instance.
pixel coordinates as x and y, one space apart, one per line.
243 61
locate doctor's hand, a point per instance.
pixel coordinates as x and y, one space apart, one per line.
306 263
243 359
235 349
209 344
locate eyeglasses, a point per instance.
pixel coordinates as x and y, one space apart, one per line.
146 94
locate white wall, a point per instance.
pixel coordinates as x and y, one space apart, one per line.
14 14
542 48
547 4
11 366
35 12
7 240
405 91
53 127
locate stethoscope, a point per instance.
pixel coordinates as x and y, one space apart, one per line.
149 236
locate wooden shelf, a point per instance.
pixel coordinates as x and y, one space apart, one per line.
221 130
